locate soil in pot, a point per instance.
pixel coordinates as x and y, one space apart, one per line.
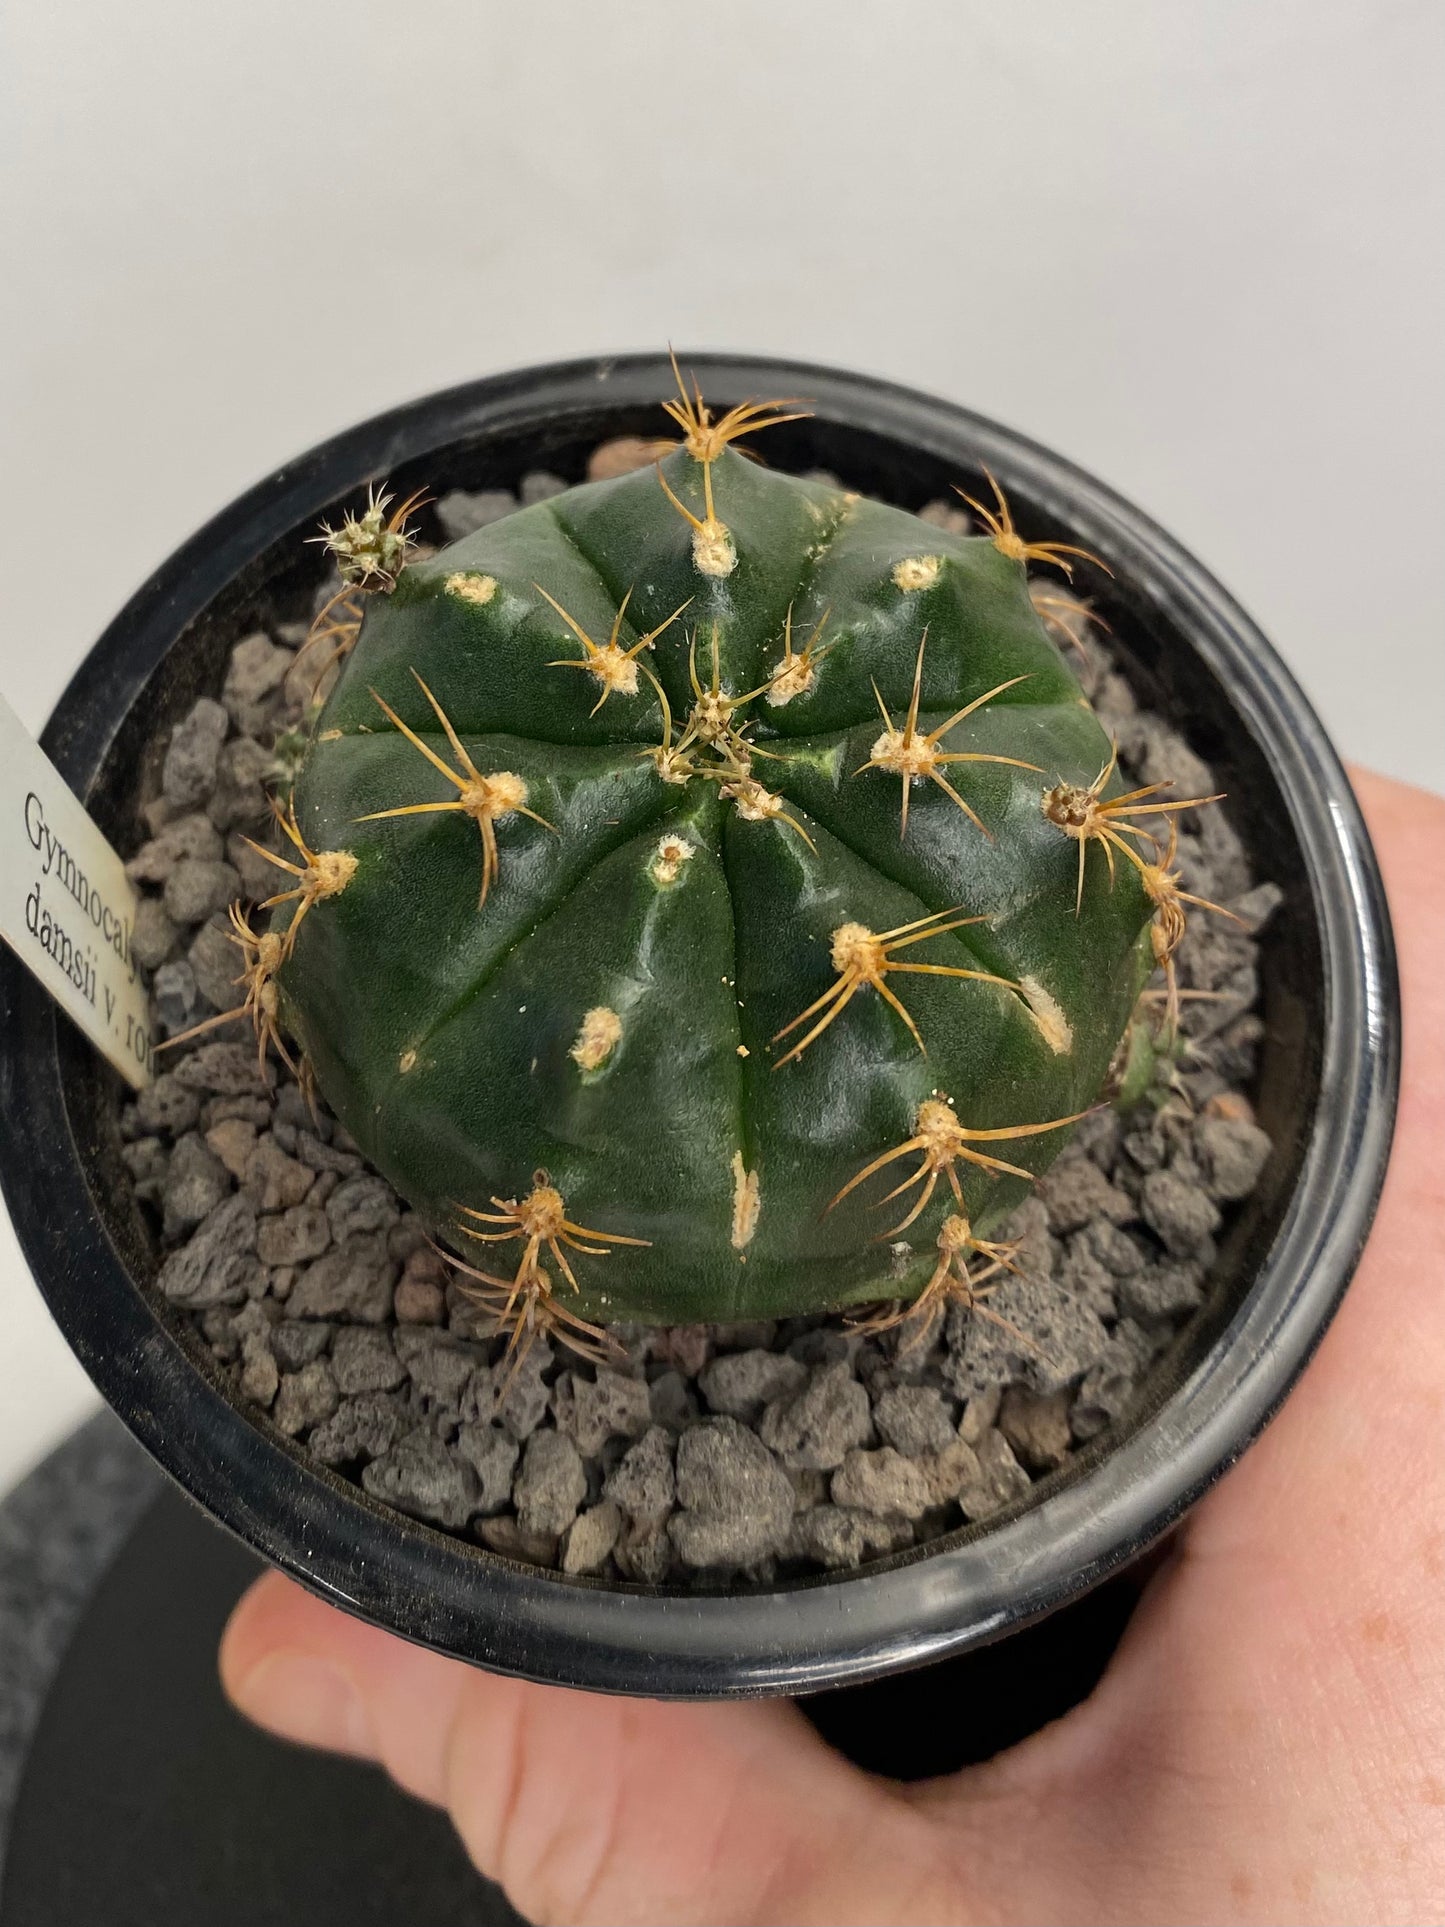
708 1455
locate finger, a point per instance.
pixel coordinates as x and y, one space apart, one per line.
1279 1691
1371 1400
589 1808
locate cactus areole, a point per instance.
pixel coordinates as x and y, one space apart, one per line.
693 906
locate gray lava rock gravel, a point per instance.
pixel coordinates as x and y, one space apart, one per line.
421 1476
736 1499
550 1485
189 772
816 1428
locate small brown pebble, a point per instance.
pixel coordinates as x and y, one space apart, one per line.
250 1110
882 1481
591 1537
622 455
305 1398
1001 1478
948 1472
1233 1105
274 1181
260 1377
506 1536
1037 1427
293 1237
423 1264
947 515
688 1347
419 1302
233 1141
979 1414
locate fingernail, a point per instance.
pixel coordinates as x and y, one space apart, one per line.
304 1699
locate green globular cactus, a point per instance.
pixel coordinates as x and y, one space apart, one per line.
692 909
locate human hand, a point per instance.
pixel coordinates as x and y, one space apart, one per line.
1267 1744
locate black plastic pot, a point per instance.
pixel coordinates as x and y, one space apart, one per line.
1326 1090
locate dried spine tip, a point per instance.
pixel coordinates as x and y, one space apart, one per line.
914 757
863 960
1006 539
941 1141
952 1282
525 1309
338 622
747 1203
1166 931
1064 615
597 1039
916 572
370 552
261 957
614 667
471 587
524 1303
671 854
320 874
488 800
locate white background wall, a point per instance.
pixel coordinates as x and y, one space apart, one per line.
1192 243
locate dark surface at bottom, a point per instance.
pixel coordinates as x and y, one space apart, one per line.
912 1726
145 1799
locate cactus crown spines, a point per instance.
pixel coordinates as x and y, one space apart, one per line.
698 873
370 550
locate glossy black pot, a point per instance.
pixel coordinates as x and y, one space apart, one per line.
1326 1088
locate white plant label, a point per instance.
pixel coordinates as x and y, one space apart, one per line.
67 909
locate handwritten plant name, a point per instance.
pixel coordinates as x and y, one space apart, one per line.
71 944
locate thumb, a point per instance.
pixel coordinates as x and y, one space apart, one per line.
589 1808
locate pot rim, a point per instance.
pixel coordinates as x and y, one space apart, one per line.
468 1602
